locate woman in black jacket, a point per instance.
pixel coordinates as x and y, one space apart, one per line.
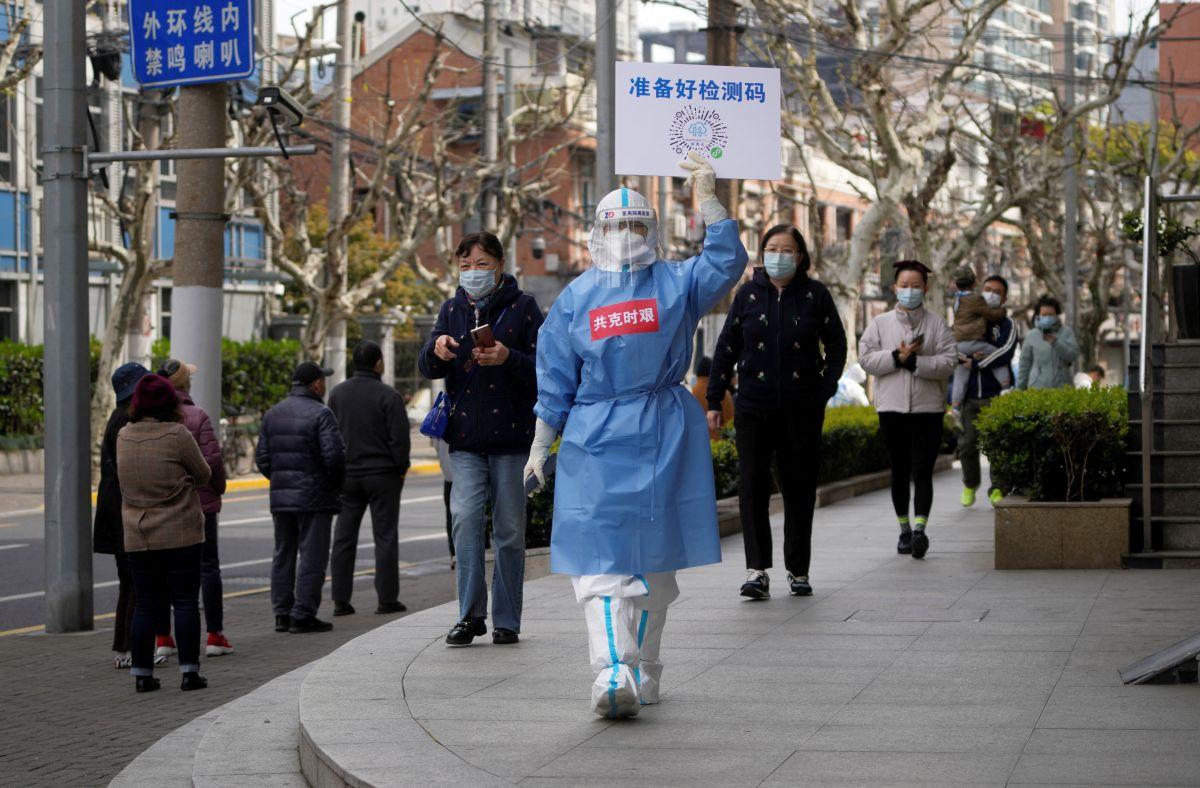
784 340
490 430
109 534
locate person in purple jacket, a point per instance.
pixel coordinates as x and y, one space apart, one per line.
211 590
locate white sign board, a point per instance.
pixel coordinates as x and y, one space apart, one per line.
730 114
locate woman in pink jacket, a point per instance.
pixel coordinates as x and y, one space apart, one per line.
911 352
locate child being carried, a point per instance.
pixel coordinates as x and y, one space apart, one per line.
972 313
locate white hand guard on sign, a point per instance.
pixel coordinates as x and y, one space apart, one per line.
701 175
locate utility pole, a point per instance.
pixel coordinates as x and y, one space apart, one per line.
339 185
510 107
138 340
723 51
1071 185
606 96
198 271
68 466
491 113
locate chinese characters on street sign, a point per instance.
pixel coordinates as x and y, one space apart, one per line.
189 42
730 115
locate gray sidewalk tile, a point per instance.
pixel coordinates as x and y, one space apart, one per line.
1099 768
1174 707
870 738
807 768
667 766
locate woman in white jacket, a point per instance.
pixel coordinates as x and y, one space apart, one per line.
911 353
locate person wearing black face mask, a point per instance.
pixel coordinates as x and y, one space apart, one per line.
772 340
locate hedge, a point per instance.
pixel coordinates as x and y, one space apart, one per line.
255 375
21 403
851 445
1057 444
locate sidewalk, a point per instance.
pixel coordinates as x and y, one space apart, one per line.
897 672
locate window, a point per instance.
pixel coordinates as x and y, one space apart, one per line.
548 57
8 311
844 218
164 312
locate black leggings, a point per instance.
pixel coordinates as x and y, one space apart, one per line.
913 440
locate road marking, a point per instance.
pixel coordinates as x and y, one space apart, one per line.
234 565
25 512
231 595
12 546
267 518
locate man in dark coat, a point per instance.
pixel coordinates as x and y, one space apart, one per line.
109 534
300 450
374 424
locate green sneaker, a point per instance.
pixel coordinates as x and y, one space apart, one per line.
968 496
995 495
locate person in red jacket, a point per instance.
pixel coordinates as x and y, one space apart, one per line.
211 589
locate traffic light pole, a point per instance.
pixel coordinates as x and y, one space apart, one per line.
68 466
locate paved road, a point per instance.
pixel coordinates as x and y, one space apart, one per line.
246 545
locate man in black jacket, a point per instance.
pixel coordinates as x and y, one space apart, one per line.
300 450
374 424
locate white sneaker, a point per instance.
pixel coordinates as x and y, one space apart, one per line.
123 660
757 585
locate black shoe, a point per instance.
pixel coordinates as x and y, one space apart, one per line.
799 586
146 683
301 626
904 546
343 609
390 607
504 637
920 544
283 623
462 633
757 585
193 681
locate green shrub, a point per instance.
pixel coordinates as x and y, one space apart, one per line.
254 375
725 467
1057 444
851 444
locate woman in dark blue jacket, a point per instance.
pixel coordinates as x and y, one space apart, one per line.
784 340
493 391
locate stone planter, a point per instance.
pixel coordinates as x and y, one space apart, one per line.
1058 535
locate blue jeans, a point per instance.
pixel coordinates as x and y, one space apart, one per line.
478 478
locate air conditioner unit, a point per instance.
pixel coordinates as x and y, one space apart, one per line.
551 263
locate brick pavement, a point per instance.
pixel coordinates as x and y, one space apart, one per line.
69 718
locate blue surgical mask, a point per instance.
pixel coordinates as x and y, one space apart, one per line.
1047 322
477 283
779 265
910 297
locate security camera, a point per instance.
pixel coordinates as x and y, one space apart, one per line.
281 105
538 245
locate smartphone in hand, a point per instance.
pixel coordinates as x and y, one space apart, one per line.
483 336
918 339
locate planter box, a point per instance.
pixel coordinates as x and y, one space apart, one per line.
1057 535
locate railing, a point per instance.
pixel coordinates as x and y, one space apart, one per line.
1154 318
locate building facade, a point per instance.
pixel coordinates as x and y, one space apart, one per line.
116 108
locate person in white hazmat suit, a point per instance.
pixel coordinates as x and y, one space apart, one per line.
634 498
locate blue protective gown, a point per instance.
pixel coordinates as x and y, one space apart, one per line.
634 485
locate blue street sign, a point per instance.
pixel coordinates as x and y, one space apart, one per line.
189 42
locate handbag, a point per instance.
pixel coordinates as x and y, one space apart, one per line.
437 420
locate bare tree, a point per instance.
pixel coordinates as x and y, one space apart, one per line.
134 211
416 174
18 55
908 101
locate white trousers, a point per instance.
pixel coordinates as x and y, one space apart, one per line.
625 617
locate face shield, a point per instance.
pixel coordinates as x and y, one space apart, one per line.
625 236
